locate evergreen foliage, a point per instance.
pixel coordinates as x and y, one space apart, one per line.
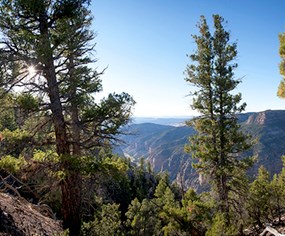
219 142
58 98
220 227
11 164
143 218
105 223
7 112
260 195
278 192
281 88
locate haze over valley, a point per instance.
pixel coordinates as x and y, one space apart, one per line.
161 141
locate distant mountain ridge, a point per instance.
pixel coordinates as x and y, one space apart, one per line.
163 145
177 121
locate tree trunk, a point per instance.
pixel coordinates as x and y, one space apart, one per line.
71 202
46 58
223 196
71 185
75 129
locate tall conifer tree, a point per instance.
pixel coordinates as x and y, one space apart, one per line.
281 88
219 141
55 37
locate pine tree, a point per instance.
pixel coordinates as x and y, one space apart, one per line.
260 198
55 38
278 192
107 222
219 141
281 88
7 112
143 218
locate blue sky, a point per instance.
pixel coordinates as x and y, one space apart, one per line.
144 44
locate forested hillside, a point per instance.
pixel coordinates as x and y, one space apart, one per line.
163 146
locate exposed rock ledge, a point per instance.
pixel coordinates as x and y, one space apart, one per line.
18 217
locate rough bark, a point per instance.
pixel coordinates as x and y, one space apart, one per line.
71 185
71 202
46 58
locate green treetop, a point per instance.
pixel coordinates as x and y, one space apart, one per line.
281 88
219 141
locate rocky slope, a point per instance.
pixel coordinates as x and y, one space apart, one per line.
20 218
268 128
163 146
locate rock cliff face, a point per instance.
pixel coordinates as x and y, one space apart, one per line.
268 117
20 218
163 146
269 129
